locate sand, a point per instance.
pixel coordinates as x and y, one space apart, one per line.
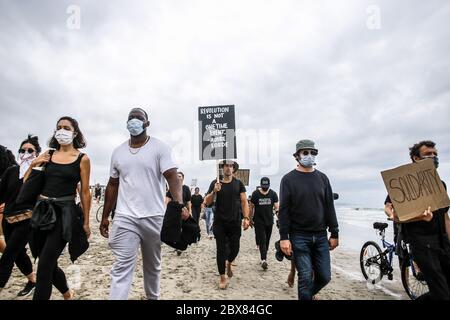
194 275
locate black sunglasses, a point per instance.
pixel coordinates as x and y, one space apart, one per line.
307 152
29 150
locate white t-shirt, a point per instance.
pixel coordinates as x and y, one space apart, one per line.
141 182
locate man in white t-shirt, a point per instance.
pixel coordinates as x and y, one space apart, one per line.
139 168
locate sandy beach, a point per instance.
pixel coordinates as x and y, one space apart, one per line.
194 275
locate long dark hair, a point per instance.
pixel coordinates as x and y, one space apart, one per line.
32 139
78 142
6 159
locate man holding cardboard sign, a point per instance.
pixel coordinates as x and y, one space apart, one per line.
421 207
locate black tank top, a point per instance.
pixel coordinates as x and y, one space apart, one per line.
62 179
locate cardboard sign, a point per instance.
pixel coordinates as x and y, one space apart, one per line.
193 182
217 132
414 187
243 175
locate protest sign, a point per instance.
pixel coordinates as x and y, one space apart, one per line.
243 175
217 131
415 187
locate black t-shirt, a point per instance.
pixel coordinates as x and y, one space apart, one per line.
264 206
10 185
423 229
98 191
197 200
228 201
186 195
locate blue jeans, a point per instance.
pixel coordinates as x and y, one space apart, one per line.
209 219
311 254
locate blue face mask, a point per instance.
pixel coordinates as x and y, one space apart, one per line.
307 161
135 127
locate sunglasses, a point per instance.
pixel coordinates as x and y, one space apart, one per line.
309 152
29 150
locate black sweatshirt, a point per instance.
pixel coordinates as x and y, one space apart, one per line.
10 185
306 204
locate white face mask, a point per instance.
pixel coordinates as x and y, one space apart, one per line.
25 162
64 137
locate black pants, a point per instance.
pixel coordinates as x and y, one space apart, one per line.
48 271
263 234
228 237
256 235
196 213
16 237
434 262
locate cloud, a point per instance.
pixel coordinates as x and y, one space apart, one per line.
304 68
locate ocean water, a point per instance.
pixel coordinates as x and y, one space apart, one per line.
356 226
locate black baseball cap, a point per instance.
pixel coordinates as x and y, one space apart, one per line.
265 182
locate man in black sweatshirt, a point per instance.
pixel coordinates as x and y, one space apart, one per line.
306 211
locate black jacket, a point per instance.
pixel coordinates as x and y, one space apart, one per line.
178 233
45 217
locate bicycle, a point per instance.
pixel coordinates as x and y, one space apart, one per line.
99 213
376 263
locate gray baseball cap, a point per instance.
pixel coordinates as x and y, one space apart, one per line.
305 144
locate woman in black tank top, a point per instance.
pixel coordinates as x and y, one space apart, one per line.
56 218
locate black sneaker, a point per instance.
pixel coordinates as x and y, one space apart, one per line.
29 287
264 264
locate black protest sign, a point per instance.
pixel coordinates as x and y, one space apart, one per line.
415 187
217 129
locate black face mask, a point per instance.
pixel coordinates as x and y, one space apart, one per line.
436 161
265 188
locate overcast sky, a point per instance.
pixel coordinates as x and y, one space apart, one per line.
364 79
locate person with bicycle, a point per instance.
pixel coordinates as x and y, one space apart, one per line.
98 192
428 235
306 211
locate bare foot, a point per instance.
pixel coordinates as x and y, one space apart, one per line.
229 270
291 279
223 284
69 295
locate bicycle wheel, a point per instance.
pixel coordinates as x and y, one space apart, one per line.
99 214
413 282
371 260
